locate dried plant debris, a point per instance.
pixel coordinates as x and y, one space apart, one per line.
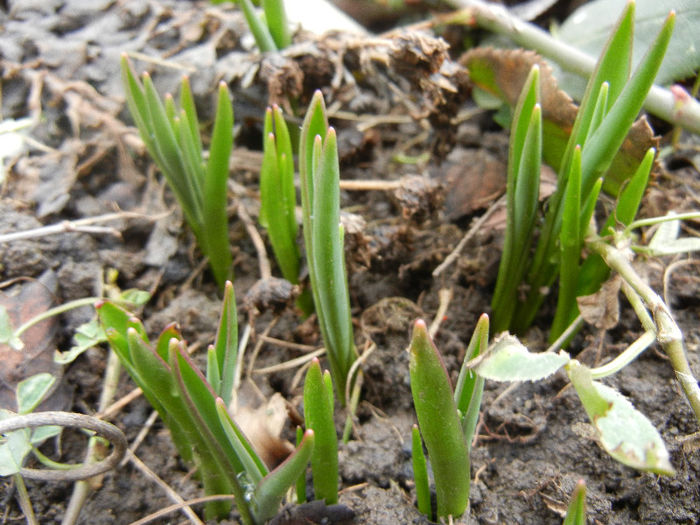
420 198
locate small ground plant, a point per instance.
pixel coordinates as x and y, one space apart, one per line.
172 137
195 409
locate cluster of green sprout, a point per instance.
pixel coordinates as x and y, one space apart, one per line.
195 406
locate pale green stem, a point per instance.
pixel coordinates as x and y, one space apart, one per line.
626 357
668 334
660 102
574 327
50 463
87 301
666 218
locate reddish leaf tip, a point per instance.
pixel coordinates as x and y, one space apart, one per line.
419 324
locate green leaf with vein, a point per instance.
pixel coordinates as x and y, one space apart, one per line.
624 432
509 360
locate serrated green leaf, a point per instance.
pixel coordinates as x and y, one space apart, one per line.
624 432
509 360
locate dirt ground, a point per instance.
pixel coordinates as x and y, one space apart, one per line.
59 61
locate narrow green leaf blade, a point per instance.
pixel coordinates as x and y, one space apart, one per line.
252 465
607 139
226 345
439 423
420 473
188 106
261 33
274 486
215 191
277 23
576 512
318 415
330 279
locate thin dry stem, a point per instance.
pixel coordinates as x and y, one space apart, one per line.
172 494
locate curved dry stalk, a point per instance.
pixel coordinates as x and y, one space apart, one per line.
68 419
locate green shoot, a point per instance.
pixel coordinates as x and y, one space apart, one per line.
576 512
318 413
524 159
277 194
171 136
323 237
440 424
612 101
271 32
420 473
470 387
195 411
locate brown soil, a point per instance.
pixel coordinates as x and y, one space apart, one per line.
59 63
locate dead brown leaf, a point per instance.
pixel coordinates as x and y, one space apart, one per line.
602 309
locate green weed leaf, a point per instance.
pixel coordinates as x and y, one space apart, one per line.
624 432
666 240
509 360
7 331
31 391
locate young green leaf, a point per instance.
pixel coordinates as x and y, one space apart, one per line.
226 345
318 415
330 278
420 474
273 487
576 513
522 190
31 391
300 486
277 24
278 195
508 360
439 423
214 190
7 331
625 433
570 244
470 386
260 31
